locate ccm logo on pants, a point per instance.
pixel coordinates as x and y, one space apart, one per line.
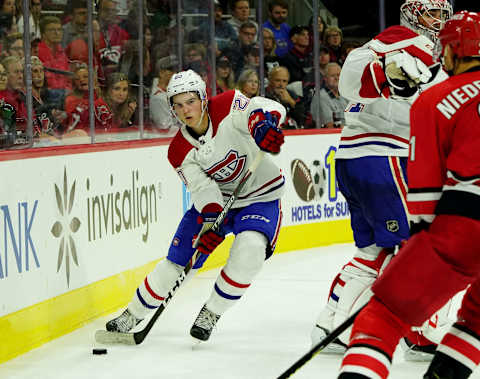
255 217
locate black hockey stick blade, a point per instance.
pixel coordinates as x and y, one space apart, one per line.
320 346
136 338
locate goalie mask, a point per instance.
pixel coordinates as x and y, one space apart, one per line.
425 17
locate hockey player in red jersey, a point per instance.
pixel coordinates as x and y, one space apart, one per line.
443 255
218 140
371 158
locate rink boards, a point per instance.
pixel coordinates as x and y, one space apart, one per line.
83 225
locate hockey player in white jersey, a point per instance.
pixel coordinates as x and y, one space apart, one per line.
380 79
218 140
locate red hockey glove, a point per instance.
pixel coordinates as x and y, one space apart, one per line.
263 127
209 241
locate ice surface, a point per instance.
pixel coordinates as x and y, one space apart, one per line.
258 338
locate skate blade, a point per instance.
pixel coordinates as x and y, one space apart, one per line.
106 337
196 343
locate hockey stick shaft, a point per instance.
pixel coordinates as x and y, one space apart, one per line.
137 338
320 345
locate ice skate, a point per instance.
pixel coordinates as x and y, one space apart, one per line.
123 323
335 347
417 353
203 326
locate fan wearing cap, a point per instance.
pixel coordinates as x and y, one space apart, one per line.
298 60
218 140
159 109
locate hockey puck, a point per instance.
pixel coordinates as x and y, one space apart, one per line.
99 351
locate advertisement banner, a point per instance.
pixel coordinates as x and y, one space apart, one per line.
70 220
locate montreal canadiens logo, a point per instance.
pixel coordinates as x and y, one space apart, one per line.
228 169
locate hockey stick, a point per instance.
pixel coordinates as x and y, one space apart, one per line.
136 338
320 346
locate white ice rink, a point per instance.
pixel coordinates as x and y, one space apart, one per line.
259 338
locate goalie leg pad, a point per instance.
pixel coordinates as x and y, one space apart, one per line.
152 291
244 263
469 312
447 251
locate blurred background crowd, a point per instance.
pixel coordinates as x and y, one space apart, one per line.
85 70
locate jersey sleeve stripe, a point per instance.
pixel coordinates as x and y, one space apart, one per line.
370 135
459 203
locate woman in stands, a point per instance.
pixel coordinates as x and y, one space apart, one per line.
248 83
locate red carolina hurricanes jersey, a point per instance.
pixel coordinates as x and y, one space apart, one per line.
444 162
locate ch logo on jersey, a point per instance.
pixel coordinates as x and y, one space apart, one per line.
228 169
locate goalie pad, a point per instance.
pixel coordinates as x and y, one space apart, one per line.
351 288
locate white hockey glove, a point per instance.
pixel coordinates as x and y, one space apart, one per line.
405 73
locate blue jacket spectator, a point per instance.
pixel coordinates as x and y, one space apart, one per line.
278 12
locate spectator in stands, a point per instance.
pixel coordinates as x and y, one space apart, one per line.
77 27
35 13
224 75
160 113
252 58
14 94
34 47
270 59
321 31
8 21
130 64
14 45
298 61
112 36
346 48
247 33
76 104
3 78
54 58
328 103
309 83
49 119
225 34
278 12
240 10
195 52
77 51
117 108
278 79
248 83
333 40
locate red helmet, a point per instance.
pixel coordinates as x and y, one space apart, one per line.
462 33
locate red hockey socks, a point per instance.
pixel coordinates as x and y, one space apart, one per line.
375 335
459 352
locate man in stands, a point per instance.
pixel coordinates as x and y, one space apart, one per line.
298 60
278 12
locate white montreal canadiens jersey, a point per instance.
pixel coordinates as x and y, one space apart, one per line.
212 166
375 126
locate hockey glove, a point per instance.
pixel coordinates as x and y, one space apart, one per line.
209 240
405 73
264 129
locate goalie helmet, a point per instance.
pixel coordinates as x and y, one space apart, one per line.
438 10
186 81
462 33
